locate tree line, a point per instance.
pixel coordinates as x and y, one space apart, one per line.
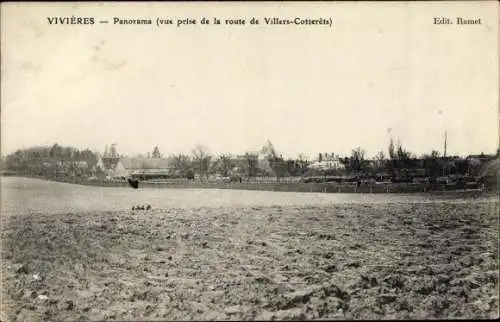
55 162
400 164
204 163
403 165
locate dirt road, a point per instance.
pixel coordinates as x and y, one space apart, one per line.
344 261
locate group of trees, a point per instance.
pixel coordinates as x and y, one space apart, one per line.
51 162
432 165
403 164
356 162
202 162
400 163
187 165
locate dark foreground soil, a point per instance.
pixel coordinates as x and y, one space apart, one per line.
397 261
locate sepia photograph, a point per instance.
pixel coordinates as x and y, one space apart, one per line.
239 161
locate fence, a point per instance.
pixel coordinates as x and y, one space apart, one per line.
270 185
284 184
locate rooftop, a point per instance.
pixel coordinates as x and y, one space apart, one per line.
146 163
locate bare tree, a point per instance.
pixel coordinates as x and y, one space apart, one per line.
201 159
432 165
302 161
224 164
380 158
250 164
357 159
402 153
181 162
359 153
435 154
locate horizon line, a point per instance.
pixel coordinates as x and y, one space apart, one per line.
250 151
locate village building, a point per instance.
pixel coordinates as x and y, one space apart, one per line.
329 161
118 166
76 164
147 167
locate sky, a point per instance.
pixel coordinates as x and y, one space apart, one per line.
382 70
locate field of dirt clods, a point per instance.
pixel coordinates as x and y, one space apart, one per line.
346 261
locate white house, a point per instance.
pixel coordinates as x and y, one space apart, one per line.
328 162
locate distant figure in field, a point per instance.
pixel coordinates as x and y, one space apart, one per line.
134 183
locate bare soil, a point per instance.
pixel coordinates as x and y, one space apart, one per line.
397 261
